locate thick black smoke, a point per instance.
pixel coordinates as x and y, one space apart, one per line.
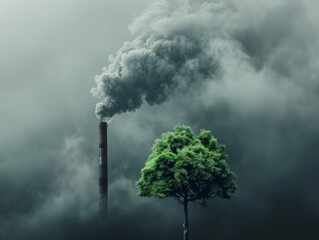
172 51
179 45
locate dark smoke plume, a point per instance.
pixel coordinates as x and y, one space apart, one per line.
171 52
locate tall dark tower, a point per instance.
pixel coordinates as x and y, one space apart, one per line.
103 182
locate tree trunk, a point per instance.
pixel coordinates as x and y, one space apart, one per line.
185 220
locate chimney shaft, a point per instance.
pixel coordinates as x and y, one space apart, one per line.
103 181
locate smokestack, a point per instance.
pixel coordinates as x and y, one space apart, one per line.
103 182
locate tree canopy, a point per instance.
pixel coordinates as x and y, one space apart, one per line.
188 167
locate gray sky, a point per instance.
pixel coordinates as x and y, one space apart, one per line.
263 104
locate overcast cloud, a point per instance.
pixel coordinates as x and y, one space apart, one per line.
259 94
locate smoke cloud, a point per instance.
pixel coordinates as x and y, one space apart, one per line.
180 44
174 50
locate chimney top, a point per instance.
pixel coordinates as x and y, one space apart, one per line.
103 124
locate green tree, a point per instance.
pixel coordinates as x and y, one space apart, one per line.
188 168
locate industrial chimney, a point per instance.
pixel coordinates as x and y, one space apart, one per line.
103 182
